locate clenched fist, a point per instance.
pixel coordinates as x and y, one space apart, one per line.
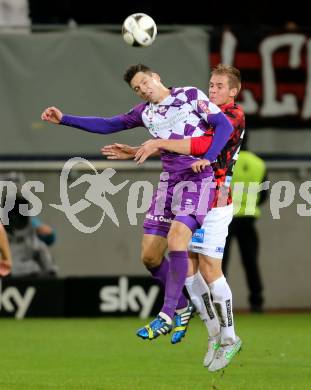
52 114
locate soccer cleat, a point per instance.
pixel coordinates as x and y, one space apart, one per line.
224 355
212 347
181 322
156 327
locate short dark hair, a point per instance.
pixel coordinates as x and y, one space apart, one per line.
133 69
231 72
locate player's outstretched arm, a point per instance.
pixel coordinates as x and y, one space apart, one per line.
152 148
93 124
181 146
5 258
147 149
52 115
196 146
119 151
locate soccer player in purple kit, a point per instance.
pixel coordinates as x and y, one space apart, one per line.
168 113
208 241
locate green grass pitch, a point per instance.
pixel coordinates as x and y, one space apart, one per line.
106 354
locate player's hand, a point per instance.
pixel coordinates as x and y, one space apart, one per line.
5 267
52 114
147 149
119 151
200 165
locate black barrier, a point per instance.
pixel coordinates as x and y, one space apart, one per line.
23 297
80 297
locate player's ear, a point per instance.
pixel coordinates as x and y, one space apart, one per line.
234 92
156 76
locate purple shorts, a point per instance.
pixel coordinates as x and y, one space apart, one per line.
184 196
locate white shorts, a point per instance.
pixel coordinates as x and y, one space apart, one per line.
210 239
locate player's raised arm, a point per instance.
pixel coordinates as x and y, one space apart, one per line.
94 124
223 129
213 116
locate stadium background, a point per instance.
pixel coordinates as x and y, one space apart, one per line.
79 67
72 56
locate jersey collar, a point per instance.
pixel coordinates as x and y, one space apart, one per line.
225 107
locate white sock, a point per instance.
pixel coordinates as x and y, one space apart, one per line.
201 297
222 299
165 317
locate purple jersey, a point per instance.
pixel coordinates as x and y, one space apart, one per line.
186 112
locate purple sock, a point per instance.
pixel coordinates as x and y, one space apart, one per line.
160 274
175 281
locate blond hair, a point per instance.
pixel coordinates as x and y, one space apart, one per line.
233 74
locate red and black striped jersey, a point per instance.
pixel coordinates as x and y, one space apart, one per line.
223 166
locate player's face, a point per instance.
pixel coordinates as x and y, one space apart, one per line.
219 90
147 86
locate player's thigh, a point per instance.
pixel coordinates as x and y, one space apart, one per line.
153 249
210 239
210 268
179 236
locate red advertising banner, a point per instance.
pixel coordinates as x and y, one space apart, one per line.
275 67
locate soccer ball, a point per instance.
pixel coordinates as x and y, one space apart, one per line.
139 30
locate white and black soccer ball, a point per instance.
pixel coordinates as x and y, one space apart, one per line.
139 30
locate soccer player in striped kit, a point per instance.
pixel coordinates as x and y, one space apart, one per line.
168 114
207 244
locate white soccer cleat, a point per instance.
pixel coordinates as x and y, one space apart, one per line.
212 347
224 355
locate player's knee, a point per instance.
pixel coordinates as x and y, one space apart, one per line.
151 259
210 268
176 241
